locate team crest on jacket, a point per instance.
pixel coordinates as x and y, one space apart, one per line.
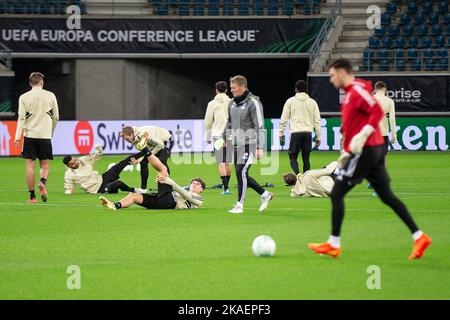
245 156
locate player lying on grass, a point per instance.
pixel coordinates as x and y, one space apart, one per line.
80 173
313 183
169 196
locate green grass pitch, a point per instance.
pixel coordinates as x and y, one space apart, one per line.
206 253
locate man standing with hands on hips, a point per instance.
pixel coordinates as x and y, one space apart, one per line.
245 127
38 116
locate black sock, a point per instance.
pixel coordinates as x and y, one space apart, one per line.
44 181
32 195
224 182
118 205
228 181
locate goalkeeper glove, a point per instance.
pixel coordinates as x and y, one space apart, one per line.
343 159
359 139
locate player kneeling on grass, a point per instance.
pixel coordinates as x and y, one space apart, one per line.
313 183
80 172
169 196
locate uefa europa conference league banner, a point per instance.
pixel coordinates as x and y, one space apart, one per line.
424 93
79 137
160 35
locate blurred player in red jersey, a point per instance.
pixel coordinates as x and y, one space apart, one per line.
362 158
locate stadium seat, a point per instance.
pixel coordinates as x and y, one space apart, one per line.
386 42
436 30
416 65
443 7
382 54
162 10
368 54
228 8
433 18
408 30
448 31
183 10
199 10
384 65
439 41
272 8
399 42
413 42
2 7
19 7
442 64
386 19
428 53
427 42
411 8
419 18
379 32
447 18
391 7
442 53
394 30
258 7
243 9
404 19
374 43
400 64
288 7
399 54
213 7
422 30
430 65
427 7
413 53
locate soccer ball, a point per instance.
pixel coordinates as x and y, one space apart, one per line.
263 246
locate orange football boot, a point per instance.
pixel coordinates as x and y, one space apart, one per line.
325 248
419 246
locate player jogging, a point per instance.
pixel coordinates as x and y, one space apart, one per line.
362 157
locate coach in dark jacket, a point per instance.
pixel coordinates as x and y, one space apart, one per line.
245 127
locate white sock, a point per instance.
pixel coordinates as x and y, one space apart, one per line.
240 205
416 235
265 194
334 241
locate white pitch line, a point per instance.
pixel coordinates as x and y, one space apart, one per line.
47 204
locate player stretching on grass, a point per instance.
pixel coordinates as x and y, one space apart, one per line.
362 157
80 172
313 183
166 197
157 140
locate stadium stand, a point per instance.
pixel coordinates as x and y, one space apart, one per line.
420 27
168 7
39 6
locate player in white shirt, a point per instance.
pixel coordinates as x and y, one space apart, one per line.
80 173
313 183
151 140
